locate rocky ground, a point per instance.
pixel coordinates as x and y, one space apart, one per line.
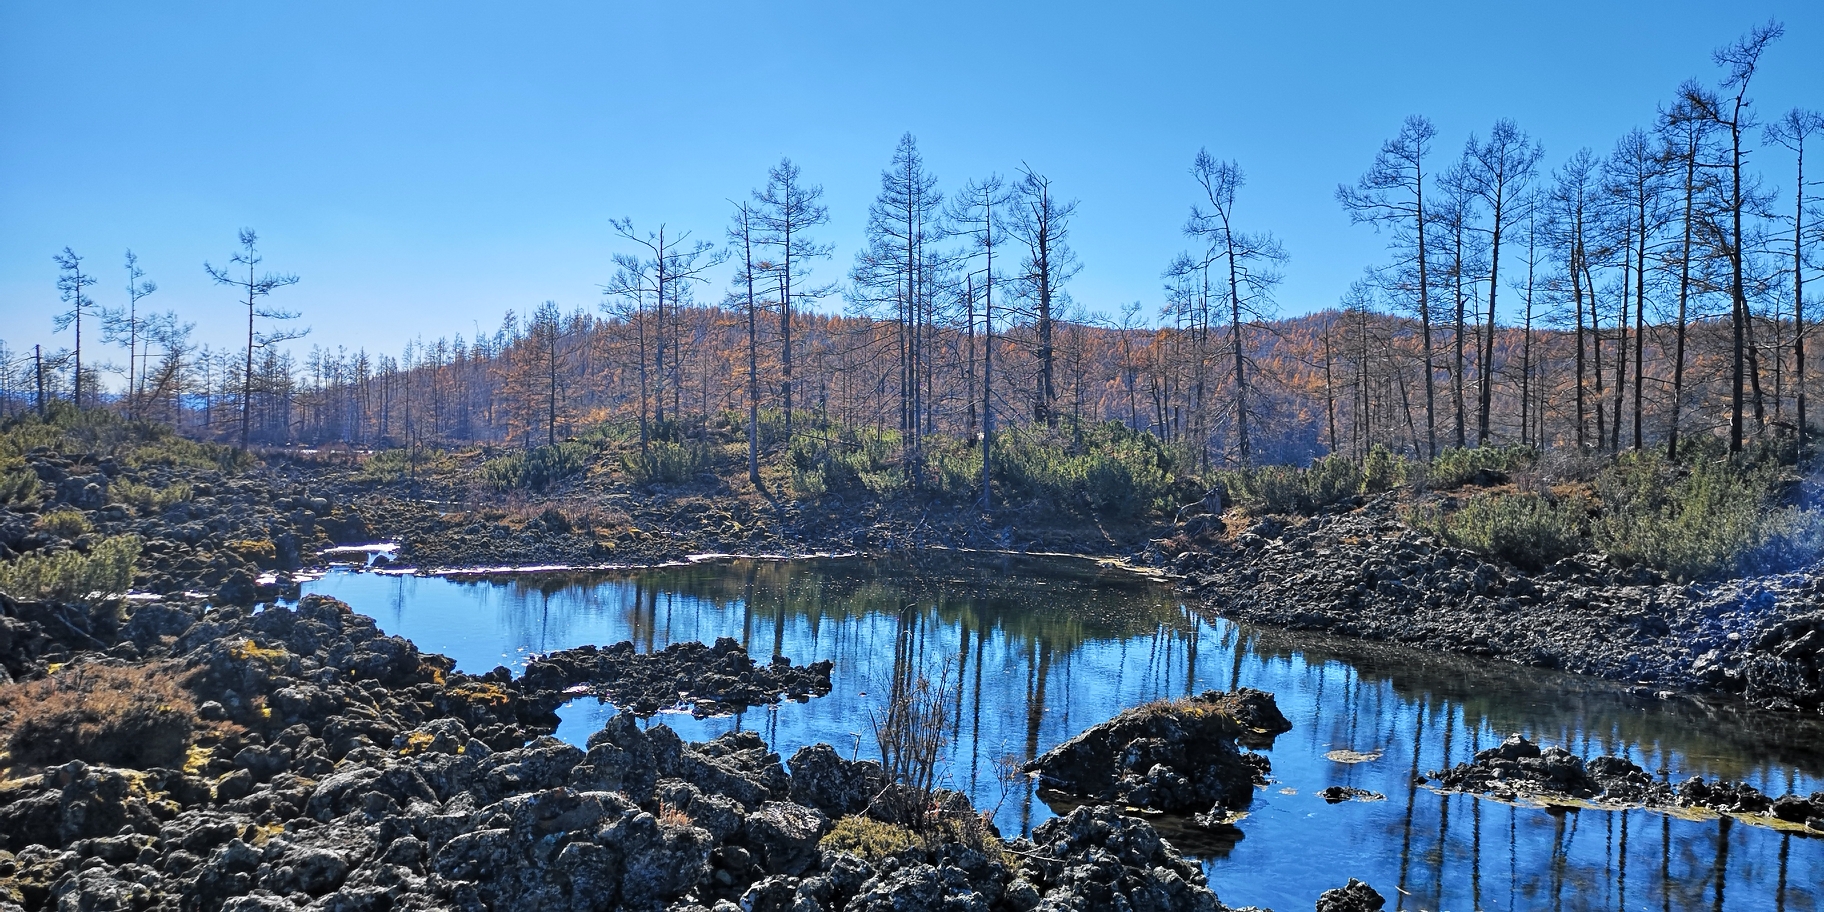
347 771
1519 769
1363 573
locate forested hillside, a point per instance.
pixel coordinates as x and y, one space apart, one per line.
1631 299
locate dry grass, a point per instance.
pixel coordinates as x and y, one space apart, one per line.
137 716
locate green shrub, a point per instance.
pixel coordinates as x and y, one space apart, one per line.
1703 518
139 716
1108 469
19 487
1458 466
107 570
1285 489
870 839
537 468
1527 530
65 523
845 461
1383 470
397 465
172 450
664 461
146 498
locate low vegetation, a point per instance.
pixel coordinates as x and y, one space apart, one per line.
104 571
537 468
146 498
137 716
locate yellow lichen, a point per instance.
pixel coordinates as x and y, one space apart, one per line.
489 693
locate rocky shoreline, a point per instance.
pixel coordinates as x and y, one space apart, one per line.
346 771
1360 572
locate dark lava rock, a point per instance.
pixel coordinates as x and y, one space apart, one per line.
1094 858
1337 794
711 680
1353 896
1175 756
1364 572
1518 768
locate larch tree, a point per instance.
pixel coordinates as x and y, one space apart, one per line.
71 281
976 216
788 208
1391 194
1635 181
1791 131
126 325
1729 108
1251 262
743 295
895 274
1499 172
1040 222
255 287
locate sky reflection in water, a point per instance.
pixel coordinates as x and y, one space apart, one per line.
1046 648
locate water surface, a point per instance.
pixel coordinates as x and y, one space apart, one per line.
1044 648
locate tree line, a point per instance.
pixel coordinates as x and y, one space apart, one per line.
1640 297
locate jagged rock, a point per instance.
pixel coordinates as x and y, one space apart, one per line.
1176 756
837 787
1354 896
1095 858
785 836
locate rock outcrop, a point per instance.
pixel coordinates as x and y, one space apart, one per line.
1178 756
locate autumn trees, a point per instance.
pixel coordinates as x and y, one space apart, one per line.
1654 292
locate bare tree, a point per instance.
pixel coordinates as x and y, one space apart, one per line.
669 271
1791 131
1635 182
1499 173
1252 262
788 208
896 274
1392 193
1041 223
1729 109
70 285
255 287
973 216
1685 136
1573 201
741 232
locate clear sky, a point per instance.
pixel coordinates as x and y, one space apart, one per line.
425 167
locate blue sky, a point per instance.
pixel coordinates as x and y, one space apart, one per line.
425 167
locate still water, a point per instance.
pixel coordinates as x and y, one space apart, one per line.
1045 648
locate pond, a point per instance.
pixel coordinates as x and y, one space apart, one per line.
1044 648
